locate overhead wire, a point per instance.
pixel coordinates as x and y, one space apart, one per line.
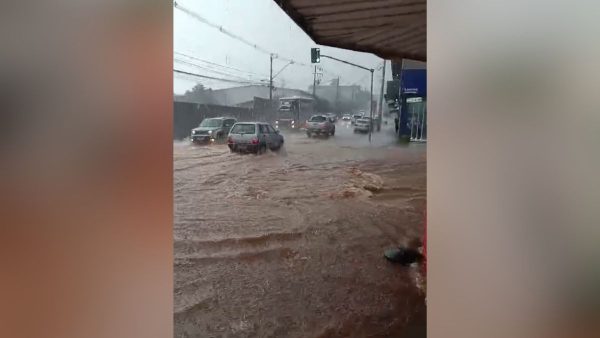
220 65
234 36
245 78
213 79
241 39
182 72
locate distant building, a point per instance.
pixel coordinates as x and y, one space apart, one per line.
332 92
244 95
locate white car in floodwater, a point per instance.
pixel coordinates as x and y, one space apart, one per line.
254 137
362 125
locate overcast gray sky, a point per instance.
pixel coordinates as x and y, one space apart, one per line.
263 23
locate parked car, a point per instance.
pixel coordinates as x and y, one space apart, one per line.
346 117
254 137
212 129
362 125
320 125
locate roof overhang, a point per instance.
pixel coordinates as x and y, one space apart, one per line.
391 29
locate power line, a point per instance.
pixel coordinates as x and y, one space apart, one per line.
220 65
241 76
211 70
241 39
207 68
220 28
178 71
218 79
233 35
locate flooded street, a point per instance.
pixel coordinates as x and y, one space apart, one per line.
290 244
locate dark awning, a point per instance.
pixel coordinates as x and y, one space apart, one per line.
391 29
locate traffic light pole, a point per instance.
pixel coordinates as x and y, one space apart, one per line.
365 68
346 62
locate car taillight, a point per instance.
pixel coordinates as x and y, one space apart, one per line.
254 140
230 139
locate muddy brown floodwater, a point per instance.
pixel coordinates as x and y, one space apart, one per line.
291 244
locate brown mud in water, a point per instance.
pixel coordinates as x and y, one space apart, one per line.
291 244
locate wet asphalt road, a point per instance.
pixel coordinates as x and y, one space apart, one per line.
290 244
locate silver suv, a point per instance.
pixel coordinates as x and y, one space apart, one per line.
212 129
255 137
320 125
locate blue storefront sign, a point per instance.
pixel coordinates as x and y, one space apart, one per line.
414 82
413 91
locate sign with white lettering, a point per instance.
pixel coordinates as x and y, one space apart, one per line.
414 82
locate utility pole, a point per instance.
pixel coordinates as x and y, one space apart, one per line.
271 83
371 119
381 98
337 96
315 83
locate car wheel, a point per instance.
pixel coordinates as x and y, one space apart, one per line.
309 135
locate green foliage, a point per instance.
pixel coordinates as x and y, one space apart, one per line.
199 94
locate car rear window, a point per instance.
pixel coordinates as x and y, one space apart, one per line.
245 128
318 119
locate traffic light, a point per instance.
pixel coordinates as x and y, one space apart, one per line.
315 55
